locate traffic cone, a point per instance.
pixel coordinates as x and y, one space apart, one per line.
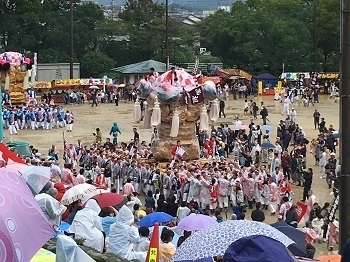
153 250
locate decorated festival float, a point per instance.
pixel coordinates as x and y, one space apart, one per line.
174 103
14 75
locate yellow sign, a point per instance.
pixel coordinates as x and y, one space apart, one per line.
260 88
153 254
67 82
330 76
279 88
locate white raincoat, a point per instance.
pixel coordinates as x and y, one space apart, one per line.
51 208
68 251
87 224
122 236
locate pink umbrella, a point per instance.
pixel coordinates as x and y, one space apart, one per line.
243 127
23 226
195 222
16 167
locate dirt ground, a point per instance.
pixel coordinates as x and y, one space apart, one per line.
88 118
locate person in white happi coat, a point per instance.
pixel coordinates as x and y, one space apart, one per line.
237 195
278 149
333 90
249 184
223 190
213 190
266 194
136 180
195 188
323 162
274 196
182 177
205 191
88 225
286 103
147 179
166 185
293 115
258 188
117 178
275 163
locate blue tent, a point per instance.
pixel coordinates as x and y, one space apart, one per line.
266 76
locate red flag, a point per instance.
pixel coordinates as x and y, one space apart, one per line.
8 156
153 250
301 210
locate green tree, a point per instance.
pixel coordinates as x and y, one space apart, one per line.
328 34
260 35
144 25
44 27
95 64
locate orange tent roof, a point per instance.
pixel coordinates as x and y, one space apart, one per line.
330 258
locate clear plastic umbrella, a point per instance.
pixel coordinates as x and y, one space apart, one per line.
36 177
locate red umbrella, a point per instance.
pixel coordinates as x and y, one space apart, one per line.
109 199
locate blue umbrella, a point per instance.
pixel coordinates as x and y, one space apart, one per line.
264 249
214 240
267 128
297 248
267 145
156 217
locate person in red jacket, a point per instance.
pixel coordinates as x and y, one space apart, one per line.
211 146
176 153
61 190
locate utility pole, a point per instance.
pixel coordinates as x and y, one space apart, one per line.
344 192
71 75
112 7
167 34
314 20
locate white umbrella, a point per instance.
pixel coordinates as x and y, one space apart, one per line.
77 192
94 87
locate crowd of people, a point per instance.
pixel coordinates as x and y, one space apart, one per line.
34 115
243 167
255 175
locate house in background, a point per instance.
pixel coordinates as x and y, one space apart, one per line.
190 20
134 72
